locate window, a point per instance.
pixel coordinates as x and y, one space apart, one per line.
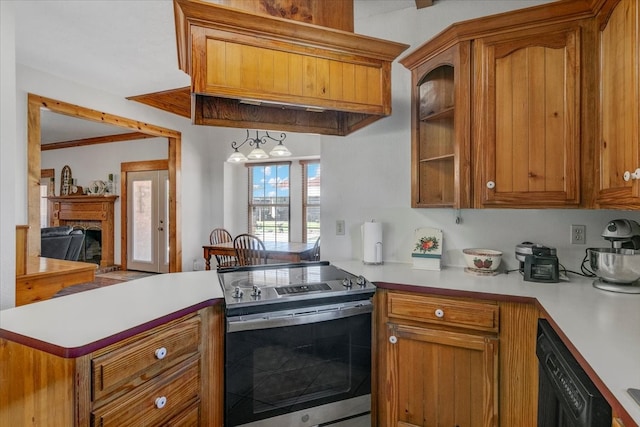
269 201
46 189
310 200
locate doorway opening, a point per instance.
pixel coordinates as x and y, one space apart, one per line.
145 216
34 106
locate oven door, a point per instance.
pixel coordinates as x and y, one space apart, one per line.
299 367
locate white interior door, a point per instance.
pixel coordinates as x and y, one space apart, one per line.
148 221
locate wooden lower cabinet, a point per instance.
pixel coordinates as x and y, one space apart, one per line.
440 377
436 367
160 377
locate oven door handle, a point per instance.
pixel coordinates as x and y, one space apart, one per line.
297 317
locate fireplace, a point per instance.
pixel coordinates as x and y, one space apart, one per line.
95 215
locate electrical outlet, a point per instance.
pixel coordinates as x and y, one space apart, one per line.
578 234
340 227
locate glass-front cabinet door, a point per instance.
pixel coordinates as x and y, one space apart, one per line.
440 171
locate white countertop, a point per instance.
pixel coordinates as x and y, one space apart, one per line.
71 325
604 327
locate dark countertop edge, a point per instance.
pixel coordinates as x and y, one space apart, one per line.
71 353
616 407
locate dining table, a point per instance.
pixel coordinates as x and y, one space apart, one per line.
276 251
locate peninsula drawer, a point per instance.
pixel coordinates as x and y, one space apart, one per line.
475 315
138 361
163 398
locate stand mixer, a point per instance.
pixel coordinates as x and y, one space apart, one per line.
618 267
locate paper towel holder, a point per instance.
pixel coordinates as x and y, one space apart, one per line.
378 260
377 246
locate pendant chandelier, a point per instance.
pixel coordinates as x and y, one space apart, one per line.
258 153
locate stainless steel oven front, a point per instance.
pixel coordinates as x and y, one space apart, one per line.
300 363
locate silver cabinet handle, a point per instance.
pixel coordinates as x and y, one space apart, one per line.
491 185
393 339
439 313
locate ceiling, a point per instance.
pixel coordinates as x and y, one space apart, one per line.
122 47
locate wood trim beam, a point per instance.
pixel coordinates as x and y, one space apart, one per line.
423 3
132 136
36 102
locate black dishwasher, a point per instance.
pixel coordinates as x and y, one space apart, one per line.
567 397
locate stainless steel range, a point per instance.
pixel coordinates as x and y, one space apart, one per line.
297 345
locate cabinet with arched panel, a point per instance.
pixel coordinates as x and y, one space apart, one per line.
440 163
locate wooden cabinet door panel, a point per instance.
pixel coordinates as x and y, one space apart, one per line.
527 128
437 377
619 129
235 65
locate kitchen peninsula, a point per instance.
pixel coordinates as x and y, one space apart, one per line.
142 352
599 327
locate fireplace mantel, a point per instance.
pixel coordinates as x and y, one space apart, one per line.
96 211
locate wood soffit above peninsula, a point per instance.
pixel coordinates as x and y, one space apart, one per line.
254 70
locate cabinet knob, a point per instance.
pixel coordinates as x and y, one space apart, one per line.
491 185
161 402
626 176
635 174
439 313
393 339
160 353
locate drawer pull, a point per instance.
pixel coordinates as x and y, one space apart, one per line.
439 313
393 339
161 402
161 353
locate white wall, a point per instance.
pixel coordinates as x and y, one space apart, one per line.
8 147
366 175
201 191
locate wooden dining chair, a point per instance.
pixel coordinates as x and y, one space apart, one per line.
249 249
220 235
315 252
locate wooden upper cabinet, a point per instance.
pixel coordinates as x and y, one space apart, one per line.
527 117
440 163
619 112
